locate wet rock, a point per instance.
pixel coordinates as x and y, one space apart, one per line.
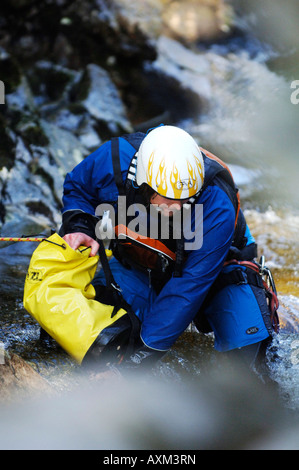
105 29
20 102
10 71
78 73
145 16
76 33
63 153
52 120
50 82
18 380
7 145
101 99
188 21
29 205
191 70
193 21
32 186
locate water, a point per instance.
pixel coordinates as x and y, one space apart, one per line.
253 126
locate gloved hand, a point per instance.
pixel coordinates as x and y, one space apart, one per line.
143 358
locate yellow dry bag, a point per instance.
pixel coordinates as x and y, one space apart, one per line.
58 293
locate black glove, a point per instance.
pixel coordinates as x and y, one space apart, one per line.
143 358
77 221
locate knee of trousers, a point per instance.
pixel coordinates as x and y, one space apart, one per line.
239 316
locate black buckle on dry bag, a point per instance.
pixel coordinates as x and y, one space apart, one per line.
111 284
118 299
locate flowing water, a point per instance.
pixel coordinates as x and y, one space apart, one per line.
253 126
256 128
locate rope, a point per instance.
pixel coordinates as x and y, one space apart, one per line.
21 239
38 239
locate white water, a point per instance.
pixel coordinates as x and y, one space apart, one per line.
248 120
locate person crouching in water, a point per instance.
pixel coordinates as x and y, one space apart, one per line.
202 271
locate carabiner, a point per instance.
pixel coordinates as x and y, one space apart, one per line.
264 271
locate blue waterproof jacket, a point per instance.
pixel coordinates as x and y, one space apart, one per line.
92 183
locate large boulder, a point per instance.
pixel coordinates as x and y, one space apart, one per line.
193 20
185 20
19 381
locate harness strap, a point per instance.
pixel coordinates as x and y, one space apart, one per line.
219 168
116 166
118 299
238 277
156 245
252 276
180 255
111 285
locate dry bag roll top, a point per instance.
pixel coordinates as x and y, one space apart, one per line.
58 293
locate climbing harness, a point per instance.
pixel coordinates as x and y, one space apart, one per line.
257 275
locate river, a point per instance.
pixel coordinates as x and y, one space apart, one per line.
254 127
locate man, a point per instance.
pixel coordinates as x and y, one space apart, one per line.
176 267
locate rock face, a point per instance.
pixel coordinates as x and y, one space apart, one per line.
18 380
193 21
75 74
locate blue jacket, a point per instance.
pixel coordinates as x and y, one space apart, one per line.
92 182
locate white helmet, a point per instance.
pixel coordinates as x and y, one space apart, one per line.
170 162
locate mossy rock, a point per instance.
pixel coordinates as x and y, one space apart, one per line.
32 133
10 73
7 146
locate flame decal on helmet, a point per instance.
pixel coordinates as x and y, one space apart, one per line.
192 183
199 168
199 173
161 182
149 174
176 184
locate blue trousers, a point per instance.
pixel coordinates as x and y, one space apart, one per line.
235 313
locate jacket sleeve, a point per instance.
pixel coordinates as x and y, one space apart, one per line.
181 298
89 184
